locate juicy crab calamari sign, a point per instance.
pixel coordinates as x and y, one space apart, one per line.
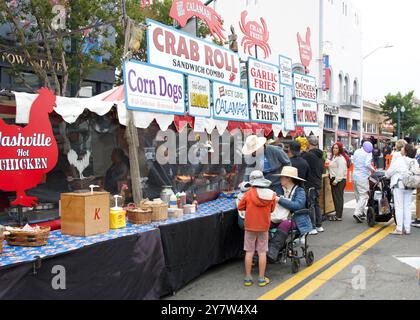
176 50
183 10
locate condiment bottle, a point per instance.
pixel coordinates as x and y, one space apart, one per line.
178 201
173 202
117 216
195 202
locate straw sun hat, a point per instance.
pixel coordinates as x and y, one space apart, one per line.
290 172
253 144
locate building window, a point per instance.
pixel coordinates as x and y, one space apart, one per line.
340 91
342 124
329 119
346 89
355 125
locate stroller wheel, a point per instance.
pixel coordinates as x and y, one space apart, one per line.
310 258
371 216
295 265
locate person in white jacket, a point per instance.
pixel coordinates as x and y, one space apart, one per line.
402 196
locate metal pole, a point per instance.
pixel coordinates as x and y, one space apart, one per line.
399 123
321 61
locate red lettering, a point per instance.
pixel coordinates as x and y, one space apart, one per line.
219 59
195 56
209 56
170 43
97 216
182 48
158 32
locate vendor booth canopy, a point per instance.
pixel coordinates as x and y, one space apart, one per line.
71 108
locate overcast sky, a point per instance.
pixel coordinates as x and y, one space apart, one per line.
398 68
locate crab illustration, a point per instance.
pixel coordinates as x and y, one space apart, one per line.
256 34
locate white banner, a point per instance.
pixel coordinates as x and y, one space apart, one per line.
306 113
230 102
149 88
289 119
175 50
305 87
198 97
265 107
286 69
263 76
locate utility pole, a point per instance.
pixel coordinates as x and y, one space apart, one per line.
131 130
321 68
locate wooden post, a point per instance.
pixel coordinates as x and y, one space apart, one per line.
131 131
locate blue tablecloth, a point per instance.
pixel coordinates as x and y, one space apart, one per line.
59 243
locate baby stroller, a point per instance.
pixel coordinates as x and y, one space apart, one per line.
381 206
293 245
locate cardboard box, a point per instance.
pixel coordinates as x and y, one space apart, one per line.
84 214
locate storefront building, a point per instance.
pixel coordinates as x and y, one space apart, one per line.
375 125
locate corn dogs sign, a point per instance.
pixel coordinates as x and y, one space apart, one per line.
175 50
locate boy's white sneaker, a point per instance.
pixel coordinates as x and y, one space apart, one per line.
320 230
313 232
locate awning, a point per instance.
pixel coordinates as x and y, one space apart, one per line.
355 135
343 134
329 130
71 108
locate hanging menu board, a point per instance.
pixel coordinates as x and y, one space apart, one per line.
230 102
289 117
198 97
264 89
306 100
176 50
286 67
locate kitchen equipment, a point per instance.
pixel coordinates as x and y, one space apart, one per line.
117 216
166 193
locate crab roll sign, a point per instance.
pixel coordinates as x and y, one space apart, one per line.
175 50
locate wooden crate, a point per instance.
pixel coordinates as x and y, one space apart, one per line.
84 214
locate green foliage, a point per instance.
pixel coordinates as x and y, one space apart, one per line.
410 119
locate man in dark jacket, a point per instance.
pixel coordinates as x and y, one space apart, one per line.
270 159
314 158
297 161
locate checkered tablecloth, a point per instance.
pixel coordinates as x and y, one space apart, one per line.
59 243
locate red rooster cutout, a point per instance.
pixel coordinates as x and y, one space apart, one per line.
27 154
305 49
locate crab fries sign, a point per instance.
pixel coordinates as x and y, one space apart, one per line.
255 34
175 50
265 107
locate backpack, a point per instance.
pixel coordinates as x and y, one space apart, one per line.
411 179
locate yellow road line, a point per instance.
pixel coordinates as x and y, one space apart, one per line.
295 280
320 280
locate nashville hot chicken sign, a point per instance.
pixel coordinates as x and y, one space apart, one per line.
175 50
184 10
28 153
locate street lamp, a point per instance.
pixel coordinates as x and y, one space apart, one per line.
398 110
387 46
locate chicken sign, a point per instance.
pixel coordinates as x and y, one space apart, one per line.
305 49
27 154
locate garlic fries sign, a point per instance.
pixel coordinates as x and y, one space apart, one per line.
198 97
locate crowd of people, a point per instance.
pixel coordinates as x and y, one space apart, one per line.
288 179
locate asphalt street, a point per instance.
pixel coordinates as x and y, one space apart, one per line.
352 262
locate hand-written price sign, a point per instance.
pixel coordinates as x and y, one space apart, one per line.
305 87
286 69
263 76
149 88
306 113
265 107
230 102
199 97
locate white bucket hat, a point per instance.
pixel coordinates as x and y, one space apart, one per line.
290 172
253 144
256 179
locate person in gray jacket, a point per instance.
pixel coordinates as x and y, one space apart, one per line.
270 159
